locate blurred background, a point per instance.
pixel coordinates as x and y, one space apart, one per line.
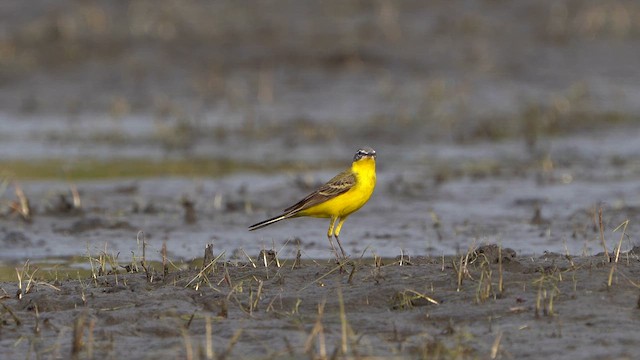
151 78
492 119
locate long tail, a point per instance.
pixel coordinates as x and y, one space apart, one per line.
262 224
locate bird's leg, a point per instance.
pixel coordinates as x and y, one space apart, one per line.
330 235
337 232
333 248
344 256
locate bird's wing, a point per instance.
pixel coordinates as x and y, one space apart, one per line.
340 184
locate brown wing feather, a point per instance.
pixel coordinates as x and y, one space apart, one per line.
340 184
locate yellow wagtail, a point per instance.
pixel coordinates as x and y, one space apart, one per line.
341 196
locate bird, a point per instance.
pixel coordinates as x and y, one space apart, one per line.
338 198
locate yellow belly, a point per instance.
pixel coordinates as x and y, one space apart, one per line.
343 205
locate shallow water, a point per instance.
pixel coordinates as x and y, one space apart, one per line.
482 193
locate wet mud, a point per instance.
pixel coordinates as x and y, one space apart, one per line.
476 305
135 135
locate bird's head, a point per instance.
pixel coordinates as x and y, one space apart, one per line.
364 153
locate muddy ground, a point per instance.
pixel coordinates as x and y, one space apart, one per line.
133 127
473 306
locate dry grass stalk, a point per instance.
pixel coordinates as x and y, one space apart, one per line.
500 274
601 227
343 323
36 327
208 255
24 273
352 273
298 261
202 276
610 278
75 195
253 263
495 347
90 338
141 238
547 291
462 268
254 303
78 333
485 286
624 233
208 329
402 261
22 207
165 266
188 347
317 332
